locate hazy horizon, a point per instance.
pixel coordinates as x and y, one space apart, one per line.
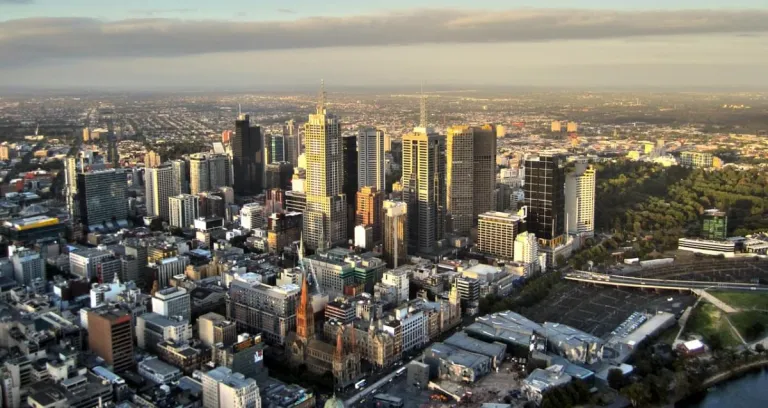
579 44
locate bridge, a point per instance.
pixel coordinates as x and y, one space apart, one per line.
667 284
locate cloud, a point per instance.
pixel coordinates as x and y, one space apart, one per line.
17 1
30 41
154 12
286 11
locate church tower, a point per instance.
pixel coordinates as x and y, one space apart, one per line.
346 366
305 315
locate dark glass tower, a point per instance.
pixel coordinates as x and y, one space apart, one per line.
247 158
545 198
349 152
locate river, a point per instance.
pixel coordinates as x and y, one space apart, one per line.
749 391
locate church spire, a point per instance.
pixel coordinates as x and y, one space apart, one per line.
305 314
339 354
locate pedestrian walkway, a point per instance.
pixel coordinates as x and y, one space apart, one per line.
725 307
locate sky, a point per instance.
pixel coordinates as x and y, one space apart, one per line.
268 44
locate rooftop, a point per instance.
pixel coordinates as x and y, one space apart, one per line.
226 376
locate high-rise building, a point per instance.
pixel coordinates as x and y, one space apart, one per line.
333 274
282 230
223 388
86 263
545 197
496 233
484 181
152 159
370 159
172 303
424 188
395 231
260 308
572 127
165 269
325 222
279 175
247 157
527 249
714 225
207 172
183 210
351 185
369 210
696 159
160 186
181 175
112 338
252 216
101 197
292 143
580 200
398 279
5 152
276 148
459 178
28 266
556 127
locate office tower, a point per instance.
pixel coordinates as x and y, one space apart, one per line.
279 175
527 249
101 197
502 198
226 136
70 187
28 266
484 181
252 216
223 388
580 200
152 328
572 127
714 225
152 159
370 159
213 328
211 205
172 303
369 210
5 152
398 279
207 172
181 176
247 157
276 148
283 229
275 201
295 201
500 131
165 269
292 143
469 292
331 272
424 186
395 231
85 262
696 160
111 338
351 185
325 222
459 177
265 309
544 197
496 233
159 186
556 127
183 209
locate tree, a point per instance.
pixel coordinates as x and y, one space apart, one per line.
760 348
637 393
615 378
560 260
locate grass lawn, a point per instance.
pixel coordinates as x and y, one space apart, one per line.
668 335
743 300
751 324
708 321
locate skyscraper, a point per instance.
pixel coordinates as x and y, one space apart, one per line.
101 196
276 148
370 158
496 233
325 222
112 338
208 172
459 177
279 175
395 228
247 157
545 197
369 210
183 210
159 186
152 159
351 184
292 143
181 175
424 186
580 199
484 181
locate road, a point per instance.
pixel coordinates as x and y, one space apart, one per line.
375 386
628 281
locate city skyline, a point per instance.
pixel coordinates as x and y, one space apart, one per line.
584 43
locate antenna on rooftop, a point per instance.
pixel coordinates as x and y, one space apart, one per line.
321 98
423 115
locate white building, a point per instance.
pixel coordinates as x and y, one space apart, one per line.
223 388
398 279
153 328
527 250
105 293
370 158
252 216
172 302
580 200
160 186
183 210
363 236
28 266
85 262
414 325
